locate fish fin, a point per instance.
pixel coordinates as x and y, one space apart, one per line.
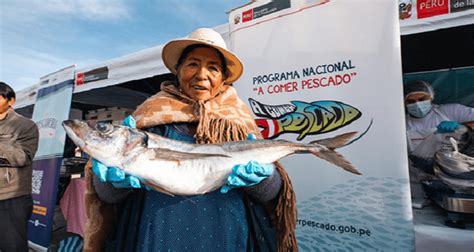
153 139
136 138
335 158
454 144
302 135
158 188
361 135
131 145
177 156
335 142
300 103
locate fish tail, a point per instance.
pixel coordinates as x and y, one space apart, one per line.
270 127
324 149
335 158
335 142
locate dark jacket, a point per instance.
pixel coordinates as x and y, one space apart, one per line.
18 145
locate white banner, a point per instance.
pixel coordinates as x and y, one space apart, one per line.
317 69
51 108
428 15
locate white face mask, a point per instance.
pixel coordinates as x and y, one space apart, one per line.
419 109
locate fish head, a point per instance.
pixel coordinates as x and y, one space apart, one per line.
106 142
350 113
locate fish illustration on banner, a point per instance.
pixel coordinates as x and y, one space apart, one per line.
303 118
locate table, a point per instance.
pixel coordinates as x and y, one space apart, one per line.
431 234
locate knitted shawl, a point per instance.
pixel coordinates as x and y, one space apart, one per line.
221 119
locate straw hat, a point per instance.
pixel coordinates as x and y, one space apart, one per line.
205 36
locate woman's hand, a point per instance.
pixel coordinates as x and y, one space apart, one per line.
248 174
117 177
448 126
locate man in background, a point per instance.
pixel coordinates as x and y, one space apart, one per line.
18 145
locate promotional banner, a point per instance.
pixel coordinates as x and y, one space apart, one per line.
318 69
427 15
51 108
44 190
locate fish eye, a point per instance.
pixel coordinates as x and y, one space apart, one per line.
103 127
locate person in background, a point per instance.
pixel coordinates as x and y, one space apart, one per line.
18 145
423 119
255 211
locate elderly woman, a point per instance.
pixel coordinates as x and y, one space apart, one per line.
255 211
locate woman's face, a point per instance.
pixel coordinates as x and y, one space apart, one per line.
200 75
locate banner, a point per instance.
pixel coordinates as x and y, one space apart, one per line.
51 108
44 190
428 15
318 69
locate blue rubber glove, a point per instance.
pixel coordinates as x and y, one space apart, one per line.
251 136
117 177
129 121
448 126
248 174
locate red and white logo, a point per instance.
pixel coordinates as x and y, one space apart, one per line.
247 15
429 8
80 79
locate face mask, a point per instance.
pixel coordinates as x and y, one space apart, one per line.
419 109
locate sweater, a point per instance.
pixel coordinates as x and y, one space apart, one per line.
18 145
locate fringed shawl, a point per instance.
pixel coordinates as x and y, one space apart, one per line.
222 119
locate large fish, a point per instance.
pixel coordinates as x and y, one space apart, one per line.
179 168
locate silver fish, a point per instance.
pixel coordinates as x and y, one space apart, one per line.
461 185
179 168
453 161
